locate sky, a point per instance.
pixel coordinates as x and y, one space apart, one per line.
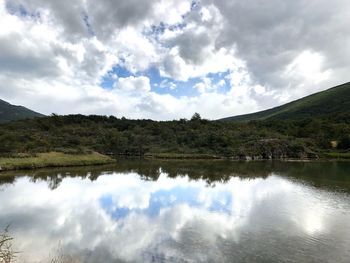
166 59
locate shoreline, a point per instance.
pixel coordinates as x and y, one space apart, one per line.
325 156
56 159
52 160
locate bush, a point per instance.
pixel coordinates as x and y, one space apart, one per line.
344 143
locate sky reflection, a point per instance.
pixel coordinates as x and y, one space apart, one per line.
120 218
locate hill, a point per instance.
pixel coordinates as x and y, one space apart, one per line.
317 125
334 101
9 112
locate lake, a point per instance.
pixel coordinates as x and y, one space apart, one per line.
180 211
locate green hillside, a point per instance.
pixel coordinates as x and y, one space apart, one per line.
9 112
315 126
334 101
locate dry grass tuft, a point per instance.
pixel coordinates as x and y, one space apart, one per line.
7 254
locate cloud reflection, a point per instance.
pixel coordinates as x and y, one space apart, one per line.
121 218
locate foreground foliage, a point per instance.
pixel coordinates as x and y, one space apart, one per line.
7 253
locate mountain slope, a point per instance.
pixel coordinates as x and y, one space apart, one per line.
9 112
329 102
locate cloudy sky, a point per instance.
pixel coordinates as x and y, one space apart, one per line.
166 59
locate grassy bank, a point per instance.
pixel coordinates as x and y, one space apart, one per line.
192 156
53 159
337 155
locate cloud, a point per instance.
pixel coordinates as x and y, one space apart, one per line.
137 84
54 55
129 219
23 58
137 52
270 35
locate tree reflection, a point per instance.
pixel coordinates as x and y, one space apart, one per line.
319 174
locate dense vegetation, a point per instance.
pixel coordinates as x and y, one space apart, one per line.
110 135
316 125
10 112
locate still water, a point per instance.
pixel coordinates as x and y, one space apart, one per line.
172 211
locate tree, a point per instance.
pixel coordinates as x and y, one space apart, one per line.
196 117
344 143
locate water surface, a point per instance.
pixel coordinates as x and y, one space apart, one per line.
202 211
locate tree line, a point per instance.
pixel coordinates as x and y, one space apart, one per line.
121 136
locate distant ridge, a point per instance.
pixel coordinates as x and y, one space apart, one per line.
329 102
9 112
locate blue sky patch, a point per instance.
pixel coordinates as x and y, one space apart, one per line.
165 85
169 198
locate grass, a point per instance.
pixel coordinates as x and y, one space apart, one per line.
337 155
7 254
181 156
53 159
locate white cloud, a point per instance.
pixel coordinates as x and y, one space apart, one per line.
137 84
83 217
170 11
206 85
137 51
54 55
